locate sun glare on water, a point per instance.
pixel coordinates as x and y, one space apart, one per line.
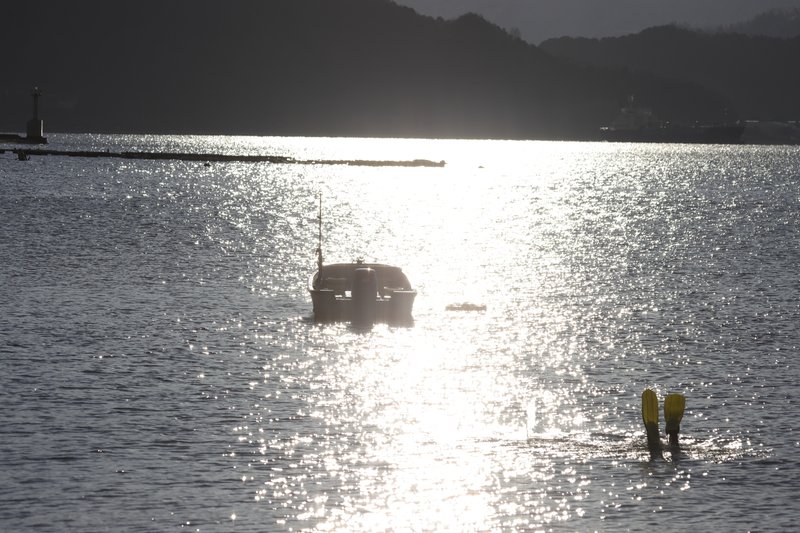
441 414
468 420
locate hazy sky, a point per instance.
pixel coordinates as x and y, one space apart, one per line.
541 19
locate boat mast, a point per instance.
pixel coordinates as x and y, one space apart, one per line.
319 247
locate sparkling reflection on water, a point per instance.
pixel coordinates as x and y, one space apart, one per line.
160 368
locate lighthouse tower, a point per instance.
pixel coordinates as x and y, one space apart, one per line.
35 133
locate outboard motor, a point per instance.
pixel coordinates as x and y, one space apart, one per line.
364 293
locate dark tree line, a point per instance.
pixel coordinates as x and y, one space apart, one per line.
758 76
323 67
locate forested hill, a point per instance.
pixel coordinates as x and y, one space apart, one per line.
758 75
305 67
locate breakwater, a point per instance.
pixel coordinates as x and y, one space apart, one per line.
23 154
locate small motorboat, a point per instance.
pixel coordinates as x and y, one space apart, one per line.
360 293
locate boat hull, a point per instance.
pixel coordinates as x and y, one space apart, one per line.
333 298
397 309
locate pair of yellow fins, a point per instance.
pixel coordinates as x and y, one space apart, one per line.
674 404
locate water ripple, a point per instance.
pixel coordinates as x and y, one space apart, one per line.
160 368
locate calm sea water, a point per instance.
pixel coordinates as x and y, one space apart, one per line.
159 369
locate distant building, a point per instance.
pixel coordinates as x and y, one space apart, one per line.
35 131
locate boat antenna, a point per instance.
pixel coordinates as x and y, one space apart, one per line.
319 246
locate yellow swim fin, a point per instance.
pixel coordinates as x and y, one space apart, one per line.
674 405
649 407
650 417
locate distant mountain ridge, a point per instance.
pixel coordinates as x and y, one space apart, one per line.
539 20
313 67
757 75
782 23
286 67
